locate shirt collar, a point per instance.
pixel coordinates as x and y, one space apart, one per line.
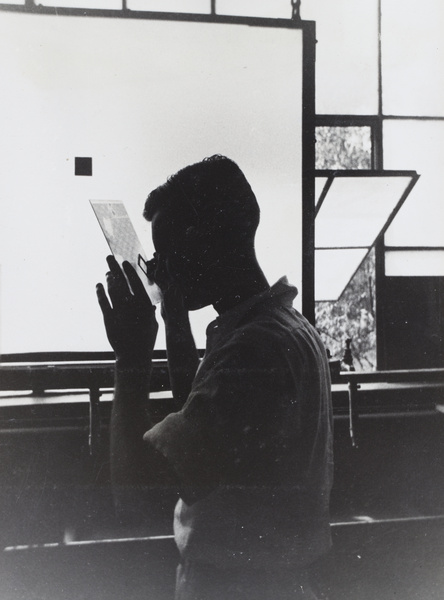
281 292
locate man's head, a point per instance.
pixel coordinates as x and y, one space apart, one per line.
202 217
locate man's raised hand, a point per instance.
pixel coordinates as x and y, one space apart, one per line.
128 314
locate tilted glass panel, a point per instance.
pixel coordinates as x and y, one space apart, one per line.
343 147
356 209
413 57
334 269
418 145
411 263
346 55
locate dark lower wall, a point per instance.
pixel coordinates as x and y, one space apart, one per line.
49 483
411 327
53 491
381 561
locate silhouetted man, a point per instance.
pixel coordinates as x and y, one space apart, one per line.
249 450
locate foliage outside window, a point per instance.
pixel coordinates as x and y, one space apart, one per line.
343 148
352 317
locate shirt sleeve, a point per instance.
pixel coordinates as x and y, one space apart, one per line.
185 447
236 415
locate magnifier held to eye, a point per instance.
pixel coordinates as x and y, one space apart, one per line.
148 268
124 243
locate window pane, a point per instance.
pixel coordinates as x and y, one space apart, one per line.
334 269
413 57
343 148
141 109
266 8
186 6
102 4
356 209
346 55
417 145
410 263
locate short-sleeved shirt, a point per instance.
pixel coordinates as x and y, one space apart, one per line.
256 430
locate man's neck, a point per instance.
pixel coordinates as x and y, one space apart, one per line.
240 284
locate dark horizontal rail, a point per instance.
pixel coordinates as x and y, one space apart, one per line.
398 376
57 357
361 173
98 376
76 375
71 375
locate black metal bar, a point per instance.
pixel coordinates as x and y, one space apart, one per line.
99 376
324 193
378 158
330 120
376 141
380 303
356 270
74 357
412 118
394 212
308 169
366 173
394 376
343 247
94 420
380 98
49 357
352 411
413 248
296 10
154 15
85 376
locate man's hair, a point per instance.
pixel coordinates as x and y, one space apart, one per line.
213 195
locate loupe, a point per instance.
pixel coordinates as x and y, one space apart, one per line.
148 268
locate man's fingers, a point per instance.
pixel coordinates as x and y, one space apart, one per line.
112 262
118 288
135 282
115 269
103 300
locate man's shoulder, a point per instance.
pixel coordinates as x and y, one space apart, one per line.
271 320
271 327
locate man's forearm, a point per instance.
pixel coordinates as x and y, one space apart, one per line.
142 479
129 421
183 359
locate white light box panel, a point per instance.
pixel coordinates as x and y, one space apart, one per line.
142 99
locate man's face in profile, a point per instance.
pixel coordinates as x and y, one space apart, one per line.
182 257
